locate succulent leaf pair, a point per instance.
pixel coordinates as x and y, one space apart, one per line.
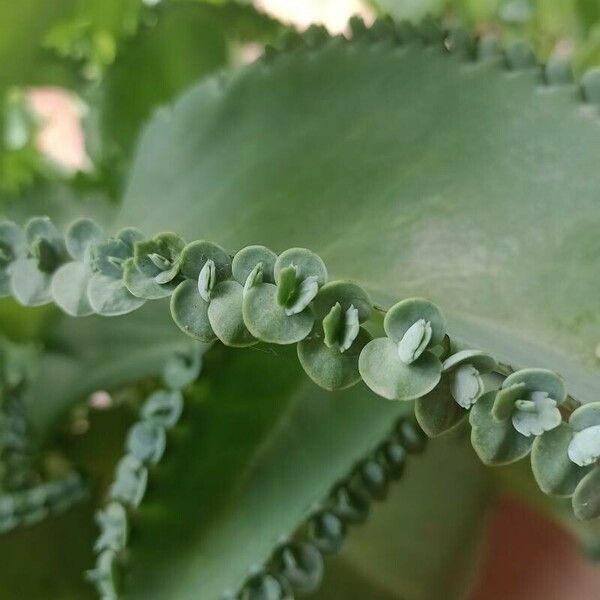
505 422
461 386
565 460
29 258
402 365
330 353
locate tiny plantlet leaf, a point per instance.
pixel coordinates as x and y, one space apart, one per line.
246 260
159 261
255 277
496 442
414 341
534 416
303 295
350 329
207 279
286 285
466 385
584 448
332 324
554 471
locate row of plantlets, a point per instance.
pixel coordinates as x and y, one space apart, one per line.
257 296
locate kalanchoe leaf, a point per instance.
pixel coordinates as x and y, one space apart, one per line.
346 293
535 416
403 315
254 278
531 398
105 575
384 372
163 408
380 363
114 529
496 442
70 288
331 325
147 253
414 341
307 264
340 328
246 260
327 366
190 312
552 468
301 564
142 286
268 321
585 416
351 327
265 586
482 361
504 404
286 285
196 254
12 246
466 385
304 294
327 532
153 271
586 498
225 315
437 411
29 285
207 279
81 236
106 290
109 297
31 273
182 369
109 256
160 262
130 481
146 441
584 448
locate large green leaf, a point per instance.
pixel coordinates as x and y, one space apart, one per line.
182 41
409 170
415 546
259 446
92 353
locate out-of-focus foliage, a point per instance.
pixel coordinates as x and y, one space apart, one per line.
567 27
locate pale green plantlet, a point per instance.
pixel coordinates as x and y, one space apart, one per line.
466 385
207 279
584 448
130 481
255 277
414 341
536 415
146 441
112 521
341 328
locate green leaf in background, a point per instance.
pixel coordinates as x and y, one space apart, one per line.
200 530
413 545
179 42
440 164
86 355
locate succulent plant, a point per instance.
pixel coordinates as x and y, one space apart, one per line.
428 207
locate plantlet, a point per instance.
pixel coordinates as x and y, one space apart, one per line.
447 290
